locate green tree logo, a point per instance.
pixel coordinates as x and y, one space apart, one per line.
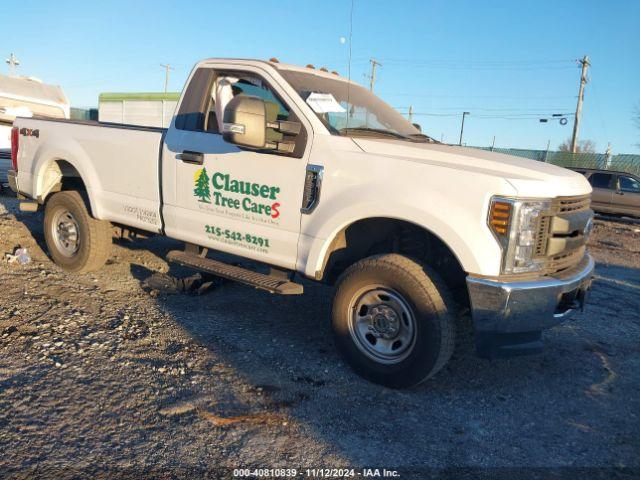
202 186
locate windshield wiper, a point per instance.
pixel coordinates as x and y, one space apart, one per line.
373 131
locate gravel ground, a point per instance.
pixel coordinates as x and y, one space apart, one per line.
116 373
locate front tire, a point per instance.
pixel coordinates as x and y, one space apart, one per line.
393 320
77 242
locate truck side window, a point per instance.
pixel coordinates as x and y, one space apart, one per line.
628 184
209 91
600 180
229 85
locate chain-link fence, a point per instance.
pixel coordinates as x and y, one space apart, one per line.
623 162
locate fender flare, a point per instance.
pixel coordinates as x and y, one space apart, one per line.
50 153
318 251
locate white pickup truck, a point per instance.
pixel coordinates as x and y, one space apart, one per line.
311 175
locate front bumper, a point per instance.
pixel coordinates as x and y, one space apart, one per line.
12 178
509 316
528 306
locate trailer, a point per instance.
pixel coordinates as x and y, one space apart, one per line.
144 109
28 97
25 97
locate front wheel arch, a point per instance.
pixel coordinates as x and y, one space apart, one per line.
379 235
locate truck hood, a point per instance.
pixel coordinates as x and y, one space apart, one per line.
530 178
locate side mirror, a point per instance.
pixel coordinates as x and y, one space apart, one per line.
252 122
245 122
417 125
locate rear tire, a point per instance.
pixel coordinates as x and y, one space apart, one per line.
393 320
77 242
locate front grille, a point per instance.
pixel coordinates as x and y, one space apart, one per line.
563 211
571 204
543 236
564 260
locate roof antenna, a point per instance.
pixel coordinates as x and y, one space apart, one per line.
349 72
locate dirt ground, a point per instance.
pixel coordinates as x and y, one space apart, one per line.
117 374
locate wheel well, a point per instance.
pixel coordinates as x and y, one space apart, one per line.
60 175
71 179
386 235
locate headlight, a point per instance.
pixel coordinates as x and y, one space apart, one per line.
515 225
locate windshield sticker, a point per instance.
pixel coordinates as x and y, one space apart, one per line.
324 103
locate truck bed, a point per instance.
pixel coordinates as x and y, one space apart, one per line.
119 165
96 123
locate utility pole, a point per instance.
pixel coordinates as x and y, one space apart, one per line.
374 64
13 62
410 114
166 67
464 114
546 153
576 121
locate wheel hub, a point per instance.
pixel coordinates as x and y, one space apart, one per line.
66 233
382 324
385 321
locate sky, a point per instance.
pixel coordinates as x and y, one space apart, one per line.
508 63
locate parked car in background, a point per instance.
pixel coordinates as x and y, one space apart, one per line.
613 192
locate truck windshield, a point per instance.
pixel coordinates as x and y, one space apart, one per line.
349 109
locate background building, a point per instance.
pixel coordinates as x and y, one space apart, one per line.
148 109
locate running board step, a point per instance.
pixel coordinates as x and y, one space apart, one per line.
231 272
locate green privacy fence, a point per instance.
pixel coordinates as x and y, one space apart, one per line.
623 162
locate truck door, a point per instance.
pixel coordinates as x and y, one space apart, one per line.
228 198
602 195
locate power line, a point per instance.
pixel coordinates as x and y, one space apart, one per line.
524 116
516 109
596 97
478 62
458 62
477 67
511 97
